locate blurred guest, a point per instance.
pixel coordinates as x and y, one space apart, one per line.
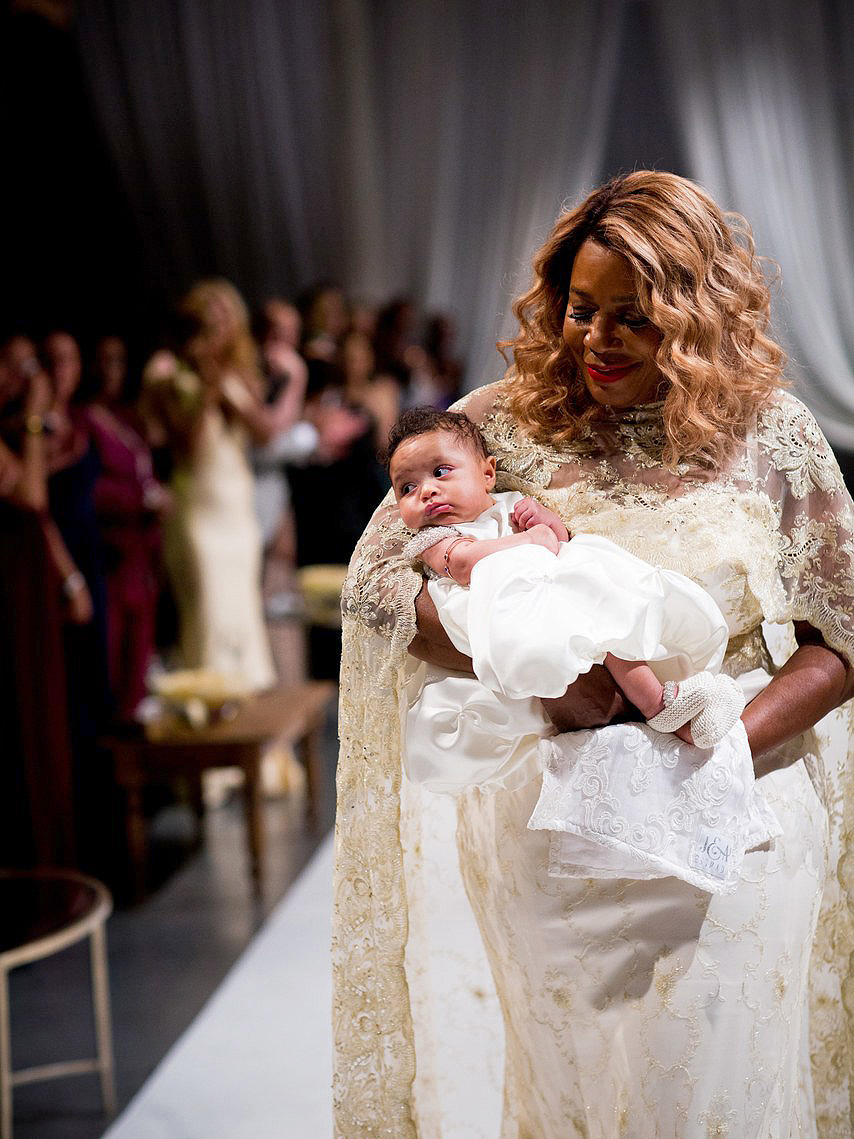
128 502
73 471
377 395
36 815
395 344
286 375
337 491
74 467
363 318
110 372
325 320
205 403
444 372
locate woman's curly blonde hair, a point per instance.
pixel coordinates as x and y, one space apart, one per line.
240 350
699 283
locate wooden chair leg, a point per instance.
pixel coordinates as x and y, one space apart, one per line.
254 822
137 838
5 1060
103 1025
311 754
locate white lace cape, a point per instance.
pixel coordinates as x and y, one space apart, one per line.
775 529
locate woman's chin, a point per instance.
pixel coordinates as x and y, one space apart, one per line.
623 393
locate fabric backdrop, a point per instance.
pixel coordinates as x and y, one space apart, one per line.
768 122
424 147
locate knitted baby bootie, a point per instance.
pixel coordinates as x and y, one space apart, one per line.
683 701
723 708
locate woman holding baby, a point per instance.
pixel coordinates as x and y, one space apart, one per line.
645 405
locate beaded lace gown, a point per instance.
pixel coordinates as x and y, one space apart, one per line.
475 996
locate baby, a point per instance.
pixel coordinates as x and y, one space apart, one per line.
443 478
534 608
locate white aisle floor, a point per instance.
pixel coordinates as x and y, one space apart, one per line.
257 1061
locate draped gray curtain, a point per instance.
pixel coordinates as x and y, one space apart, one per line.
764 92
484 118
425 146
221 118
395 145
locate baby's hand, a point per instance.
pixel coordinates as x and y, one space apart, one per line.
541 535
528 512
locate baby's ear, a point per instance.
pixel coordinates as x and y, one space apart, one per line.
489 471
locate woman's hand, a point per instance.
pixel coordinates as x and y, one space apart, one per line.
593 701
80 607
39 393
812 682
10 471
337 428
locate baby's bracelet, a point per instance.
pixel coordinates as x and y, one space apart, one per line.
450 546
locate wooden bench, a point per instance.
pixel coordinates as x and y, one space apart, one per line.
294 714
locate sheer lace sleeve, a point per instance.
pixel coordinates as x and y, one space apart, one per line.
816 521
381 585
374 1044
816 567
374 1049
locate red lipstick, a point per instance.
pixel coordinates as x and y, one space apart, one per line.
604 375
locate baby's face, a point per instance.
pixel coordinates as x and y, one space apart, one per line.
439 480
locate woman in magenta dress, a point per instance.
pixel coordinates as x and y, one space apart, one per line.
128 502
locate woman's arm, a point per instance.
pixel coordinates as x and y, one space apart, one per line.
258 419
431 643
812 682
80 608
25 477
284 361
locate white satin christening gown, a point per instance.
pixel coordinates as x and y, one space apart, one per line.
624 801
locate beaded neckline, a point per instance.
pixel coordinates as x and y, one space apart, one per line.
643 413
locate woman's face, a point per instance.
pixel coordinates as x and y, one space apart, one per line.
611 341
62 357
111 366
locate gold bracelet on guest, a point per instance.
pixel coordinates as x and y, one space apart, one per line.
72 584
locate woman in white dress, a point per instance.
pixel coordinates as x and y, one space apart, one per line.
645 404
206 405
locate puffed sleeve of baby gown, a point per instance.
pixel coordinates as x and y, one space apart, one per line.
537 620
